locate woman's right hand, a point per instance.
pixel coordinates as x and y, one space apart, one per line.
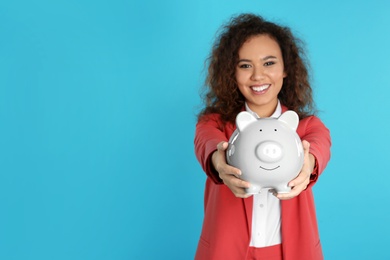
229 174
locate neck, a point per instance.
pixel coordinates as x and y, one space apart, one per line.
263 111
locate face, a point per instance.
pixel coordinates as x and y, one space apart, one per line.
260 74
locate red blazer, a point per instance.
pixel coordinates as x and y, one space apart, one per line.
227 221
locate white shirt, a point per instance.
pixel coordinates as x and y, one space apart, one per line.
266 214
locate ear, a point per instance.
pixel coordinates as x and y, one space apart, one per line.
290 118
243 119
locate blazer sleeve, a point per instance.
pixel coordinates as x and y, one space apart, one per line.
317 134
209 133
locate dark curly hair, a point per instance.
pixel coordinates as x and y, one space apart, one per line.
222 95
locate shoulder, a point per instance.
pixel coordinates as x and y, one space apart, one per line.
210 116
310 120
212 123
312 124
212 119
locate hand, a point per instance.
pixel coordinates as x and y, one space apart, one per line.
229 174
300 183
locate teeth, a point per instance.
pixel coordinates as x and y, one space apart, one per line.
261 88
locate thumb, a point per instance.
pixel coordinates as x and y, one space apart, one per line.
306 145
222 146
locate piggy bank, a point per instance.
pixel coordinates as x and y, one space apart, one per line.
268 151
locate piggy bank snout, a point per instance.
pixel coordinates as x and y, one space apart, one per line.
269 151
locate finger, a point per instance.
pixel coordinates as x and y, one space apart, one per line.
237 186
240 190
233 181
302 177
230 170
237 172
286 196
222 146
242 184
295 191
306 145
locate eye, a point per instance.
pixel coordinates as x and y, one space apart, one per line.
276 130
269 63
261 130
244 66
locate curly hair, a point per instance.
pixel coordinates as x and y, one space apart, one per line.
222 95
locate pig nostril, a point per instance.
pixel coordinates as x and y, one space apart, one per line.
269 152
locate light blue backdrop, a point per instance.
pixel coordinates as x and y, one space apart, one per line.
97 113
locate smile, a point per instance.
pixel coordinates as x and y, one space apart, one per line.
270 169
260 88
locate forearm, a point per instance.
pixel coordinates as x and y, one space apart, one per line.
207 136
316 133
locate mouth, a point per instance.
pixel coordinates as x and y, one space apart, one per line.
261 88
270 169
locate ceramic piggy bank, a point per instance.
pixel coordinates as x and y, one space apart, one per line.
268 151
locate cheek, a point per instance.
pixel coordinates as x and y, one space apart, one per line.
279 75
241 88
241 77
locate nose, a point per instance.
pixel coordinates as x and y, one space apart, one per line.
257 74
269 152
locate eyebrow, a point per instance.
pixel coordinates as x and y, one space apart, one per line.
269 57
264 59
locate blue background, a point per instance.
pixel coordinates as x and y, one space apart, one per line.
97 114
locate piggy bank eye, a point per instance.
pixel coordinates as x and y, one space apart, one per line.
261 130
276 130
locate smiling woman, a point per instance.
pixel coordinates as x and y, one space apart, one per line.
260 73
96 145
258 66
280 49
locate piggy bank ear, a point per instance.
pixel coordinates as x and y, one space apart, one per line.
290 118
243 119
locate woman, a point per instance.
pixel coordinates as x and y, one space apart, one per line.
258 66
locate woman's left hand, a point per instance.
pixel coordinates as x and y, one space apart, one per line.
300 183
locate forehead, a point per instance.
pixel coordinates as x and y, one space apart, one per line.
260 45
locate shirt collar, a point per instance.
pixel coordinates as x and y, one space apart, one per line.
276 114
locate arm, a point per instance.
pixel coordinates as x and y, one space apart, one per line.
208 135
316 133
316 143
210 148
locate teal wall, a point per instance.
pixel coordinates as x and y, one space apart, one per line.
97 114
